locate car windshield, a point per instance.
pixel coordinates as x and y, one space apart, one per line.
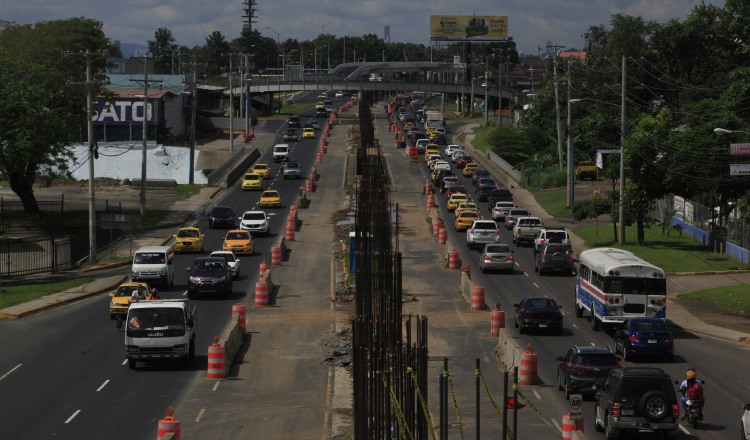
187 233
238 236
125 291
207 266
646 326
262 167
292 165
168 319
596 359
149 258
253 216
251 177
270 194
221 212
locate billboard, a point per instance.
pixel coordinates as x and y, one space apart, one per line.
739 149
468 27
123 111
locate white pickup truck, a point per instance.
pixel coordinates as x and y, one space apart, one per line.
159 330
527 229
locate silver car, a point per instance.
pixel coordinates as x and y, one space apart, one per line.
500 210
512 216
497 257
746 422
232 261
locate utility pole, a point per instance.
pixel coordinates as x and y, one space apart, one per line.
557 108
622 157
93 148
146 114
571 178
500 91
231 104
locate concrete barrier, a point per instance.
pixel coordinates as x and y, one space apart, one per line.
508 350
155 183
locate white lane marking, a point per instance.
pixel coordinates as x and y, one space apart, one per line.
70 419
124 362
101 387
575 326
593 344
10 371
557 425
536 393
216 386
200 415
525 273
535 285
683 429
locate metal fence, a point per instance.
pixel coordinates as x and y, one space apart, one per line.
34 254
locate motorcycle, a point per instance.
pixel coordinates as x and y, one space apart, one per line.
694 413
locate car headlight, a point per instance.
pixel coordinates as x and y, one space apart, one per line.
136 274
226 244
194 279
163 273
113 304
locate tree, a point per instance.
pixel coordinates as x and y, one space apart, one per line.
41 115
163 48
215 54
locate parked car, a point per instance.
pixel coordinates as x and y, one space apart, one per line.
496 256
644 336
209 275
584 367
637 399
231 259
482 232
538 312
256 222
554 258
463 160
221 217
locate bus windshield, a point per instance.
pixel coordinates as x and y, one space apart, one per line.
638 286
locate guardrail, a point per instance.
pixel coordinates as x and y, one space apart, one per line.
505 166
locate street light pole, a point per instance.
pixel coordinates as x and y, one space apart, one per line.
571 177
621 215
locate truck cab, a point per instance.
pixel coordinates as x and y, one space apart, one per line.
159 330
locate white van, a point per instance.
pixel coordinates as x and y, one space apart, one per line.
154 265
280 152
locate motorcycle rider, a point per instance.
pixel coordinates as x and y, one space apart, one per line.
691 389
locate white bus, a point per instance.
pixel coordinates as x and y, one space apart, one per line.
613 285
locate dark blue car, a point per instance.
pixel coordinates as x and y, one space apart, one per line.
644 336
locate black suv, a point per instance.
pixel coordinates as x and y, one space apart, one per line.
221 216
555 257
499 195
209 275
294 122
637 399
582 367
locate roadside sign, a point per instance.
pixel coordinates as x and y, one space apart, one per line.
576 406
739 169
597 196
414 159
739 149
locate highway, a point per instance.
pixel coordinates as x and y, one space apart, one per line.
63 372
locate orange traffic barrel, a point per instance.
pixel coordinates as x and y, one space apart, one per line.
442 235
319 157
289 235
275 255
168 425
427 187
497 321
436 226
528 371
216 359
477 298
261 294
308 185
467 271
239 310
262 268
430 201
568 426
453 261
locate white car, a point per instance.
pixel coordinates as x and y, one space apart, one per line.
441 165
450 149
500 210
456 154
745 426
339 94
232 261
254 221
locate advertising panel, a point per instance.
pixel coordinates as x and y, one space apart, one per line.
468 27
742 169
739 149
123 112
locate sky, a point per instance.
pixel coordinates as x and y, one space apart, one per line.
531 23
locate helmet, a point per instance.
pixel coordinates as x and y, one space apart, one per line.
690 374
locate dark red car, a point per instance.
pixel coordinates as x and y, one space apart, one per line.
463 160
453 190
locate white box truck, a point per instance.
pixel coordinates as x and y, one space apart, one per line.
159 330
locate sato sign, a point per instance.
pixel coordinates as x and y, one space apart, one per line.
123 112
742 169
739 149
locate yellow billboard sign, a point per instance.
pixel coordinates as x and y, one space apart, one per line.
468 27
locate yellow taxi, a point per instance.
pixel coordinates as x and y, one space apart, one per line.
270 198
262 169
466 219
429 130
322 96
467 207
308 133
188 239
431 149
320 106
469 169
431 159
455 200
251 181
408 126
239 242
123 296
